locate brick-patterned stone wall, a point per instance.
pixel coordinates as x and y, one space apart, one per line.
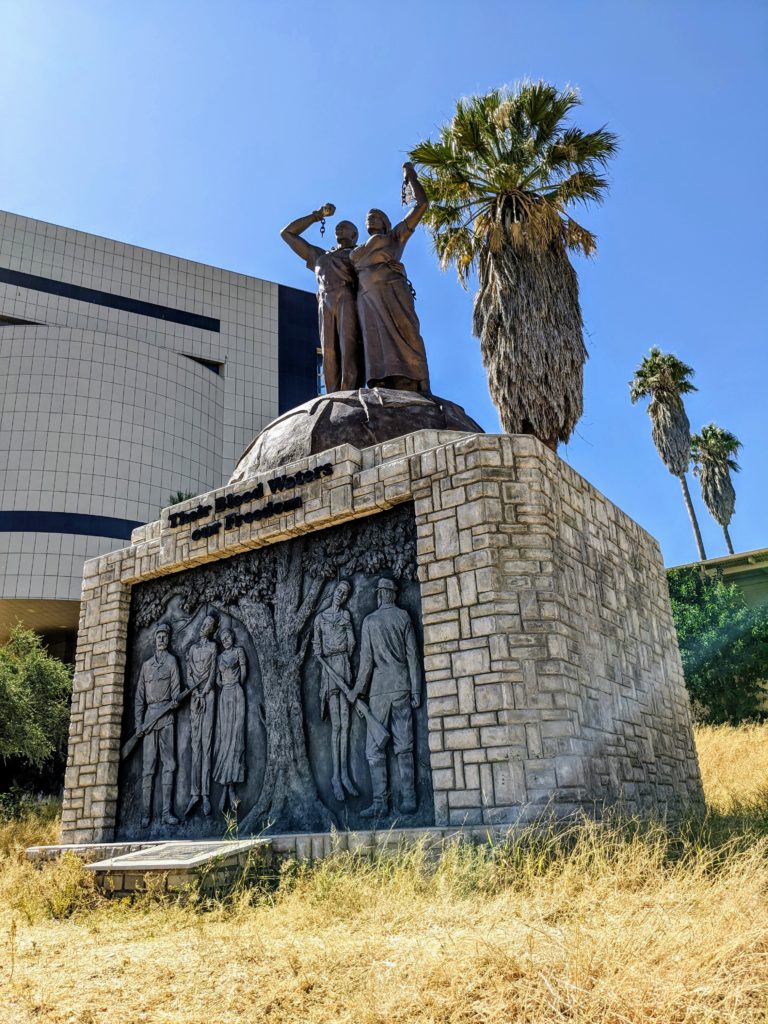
552 667
553 677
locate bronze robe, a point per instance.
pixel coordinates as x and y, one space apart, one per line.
392 340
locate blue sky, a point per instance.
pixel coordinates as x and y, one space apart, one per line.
200 128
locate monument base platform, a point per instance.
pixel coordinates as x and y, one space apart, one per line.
122 868
548 681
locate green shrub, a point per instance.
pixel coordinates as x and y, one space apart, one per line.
723 645
34 701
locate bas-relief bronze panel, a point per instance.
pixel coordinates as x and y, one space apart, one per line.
245 673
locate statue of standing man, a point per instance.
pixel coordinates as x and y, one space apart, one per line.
158 690
336 298
201 673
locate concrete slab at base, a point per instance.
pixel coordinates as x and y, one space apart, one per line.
177 865
87 852
171 867
189 855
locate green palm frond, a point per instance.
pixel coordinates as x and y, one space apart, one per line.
510 158
715 445
575 148
579 187
661 376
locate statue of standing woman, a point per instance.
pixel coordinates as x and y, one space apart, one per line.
336 289
392 342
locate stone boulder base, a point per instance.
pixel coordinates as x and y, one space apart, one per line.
360 418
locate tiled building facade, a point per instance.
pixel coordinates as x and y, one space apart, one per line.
126 375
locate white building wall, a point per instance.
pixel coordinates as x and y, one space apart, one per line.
105 412
245 306
98 425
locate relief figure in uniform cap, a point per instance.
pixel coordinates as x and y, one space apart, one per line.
158 689
333 641
390 673
336 289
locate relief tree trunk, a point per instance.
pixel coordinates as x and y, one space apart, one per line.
289 800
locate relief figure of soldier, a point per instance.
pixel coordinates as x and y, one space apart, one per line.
333 641
157 692
229 763
201 672
390 673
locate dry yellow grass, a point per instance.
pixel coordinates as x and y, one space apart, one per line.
606 925
734 764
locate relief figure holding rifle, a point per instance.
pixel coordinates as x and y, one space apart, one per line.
157 694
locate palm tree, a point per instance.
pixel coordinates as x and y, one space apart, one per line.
663 379
178 496
499 179
712 452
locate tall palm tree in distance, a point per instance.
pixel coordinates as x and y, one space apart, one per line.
713 452
500 178
664 379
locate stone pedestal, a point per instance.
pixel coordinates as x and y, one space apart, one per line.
553 682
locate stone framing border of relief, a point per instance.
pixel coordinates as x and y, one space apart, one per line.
552 676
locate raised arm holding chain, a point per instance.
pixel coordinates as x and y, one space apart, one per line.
291 233
411 181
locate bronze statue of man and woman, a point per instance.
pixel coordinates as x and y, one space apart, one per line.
369 330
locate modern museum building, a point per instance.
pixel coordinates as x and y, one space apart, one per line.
126 376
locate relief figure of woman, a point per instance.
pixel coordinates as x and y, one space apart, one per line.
229 758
